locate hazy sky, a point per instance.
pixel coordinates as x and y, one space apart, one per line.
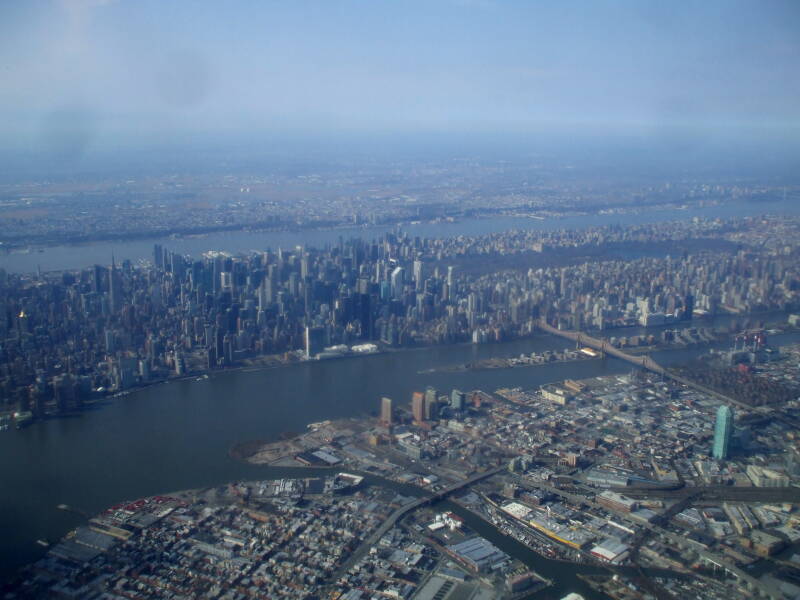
75 70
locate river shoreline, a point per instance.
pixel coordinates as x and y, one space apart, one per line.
272 362
542 214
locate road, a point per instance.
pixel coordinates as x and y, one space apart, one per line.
680 542
404 510
717 493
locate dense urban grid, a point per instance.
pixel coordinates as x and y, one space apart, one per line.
369 192
72 336
288 538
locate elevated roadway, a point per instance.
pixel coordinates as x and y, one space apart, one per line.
644 362
717 493
757 587
400 512
603 346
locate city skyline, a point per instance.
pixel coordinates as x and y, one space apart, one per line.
358 299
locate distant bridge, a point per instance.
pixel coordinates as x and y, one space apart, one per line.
644 362
603 346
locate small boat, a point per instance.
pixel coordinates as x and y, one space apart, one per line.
23 419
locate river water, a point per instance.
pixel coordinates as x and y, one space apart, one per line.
177 436
78 256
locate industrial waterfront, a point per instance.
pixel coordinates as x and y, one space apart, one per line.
177 435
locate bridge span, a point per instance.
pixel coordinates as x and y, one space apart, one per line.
603 346
407 508
644 362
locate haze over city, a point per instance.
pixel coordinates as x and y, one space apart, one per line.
102 75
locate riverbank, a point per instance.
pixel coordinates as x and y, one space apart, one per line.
178 436
290 359
532 360
540 215
72 257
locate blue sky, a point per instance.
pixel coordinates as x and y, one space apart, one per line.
142 69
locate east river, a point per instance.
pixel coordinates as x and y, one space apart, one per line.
176 436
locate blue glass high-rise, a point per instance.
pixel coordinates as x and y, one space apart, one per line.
722 432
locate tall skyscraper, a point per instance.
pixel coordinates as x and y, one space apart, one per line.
304 267
397 282
431 404
265 293
688 307
457 398
226 281
114 287
722 432
158 257
418 406
431 394
314 340
418 273
364 315
386 411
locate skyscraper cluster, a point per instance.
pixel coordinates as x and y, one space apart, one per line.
68 335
